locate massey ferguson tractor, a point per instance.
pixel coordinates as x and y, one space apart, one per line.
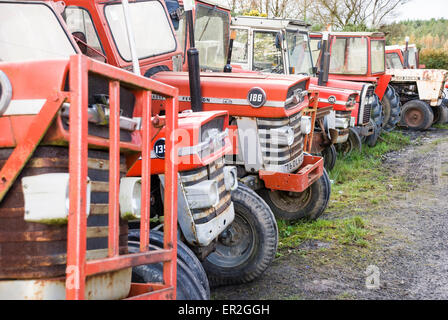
360 56
67 133
229 227
283 46
421 90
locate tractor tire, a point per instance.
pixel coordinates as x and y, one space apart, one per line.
440 114
329 154
183 253
391 109
376 118
188 287
248 246
292 206
417 115
354 142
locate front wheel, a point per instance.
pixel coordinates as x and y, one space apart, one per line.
353 142
330 155
376 119
309 204
440 114
417 115
248 246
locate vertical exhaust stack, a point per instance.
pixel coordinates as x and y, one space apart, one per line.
228 66
193 61
324 61
406 54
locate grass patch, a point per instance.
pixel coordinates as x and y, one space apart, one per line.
351 231
441 126
359 179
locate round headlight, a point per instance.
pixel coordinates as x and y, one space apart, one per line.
130 198
5 92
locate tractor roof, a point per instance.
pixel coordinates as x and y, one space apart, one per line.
268 23
213 3
359 34
400 47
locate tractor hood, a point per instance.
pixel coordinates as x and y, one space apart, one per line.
430 82
245 95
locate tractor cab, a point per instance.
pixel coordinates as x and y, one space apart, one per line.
403 57
360 56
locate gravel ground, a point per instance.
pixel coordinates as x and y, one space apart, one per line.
410 246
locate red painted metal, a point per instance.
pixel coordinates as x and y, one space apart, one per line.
311 170
77 266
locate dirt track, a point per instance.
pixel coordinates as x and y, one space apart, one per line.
410 245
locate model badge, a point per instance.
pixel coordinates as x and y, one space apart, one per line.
159 148
256 97
332 99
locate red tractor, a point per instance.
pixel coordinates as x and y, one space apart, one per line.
266 113
283 46
360 56
63 161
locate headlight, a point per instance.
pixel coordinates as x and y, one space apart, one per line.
202 195
130 198
342 123
230 178
46 197
283 136
305 125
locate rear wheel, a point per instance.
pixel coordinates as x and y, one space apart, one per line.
353 142
248 246
309 204
417 115
188 285
391 109
376 119
440 114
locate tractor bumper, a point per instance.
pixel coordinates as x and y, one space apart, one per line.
311 169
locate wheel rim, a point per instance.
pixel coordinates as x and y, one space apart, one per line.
290 201
235 245
414 117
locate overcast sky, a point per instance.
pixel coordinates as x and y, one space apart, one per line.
424 10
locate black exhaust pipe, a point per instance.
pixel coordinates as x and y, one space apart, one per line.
324 62
194 68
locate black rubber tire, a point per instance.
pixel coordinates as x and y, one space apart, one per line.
188 286
418 106
391 109
330 155
440 114
230 264
376 118
184 253
354 142
315 200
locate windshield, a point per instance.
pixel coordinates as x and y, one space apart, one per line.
393 61
299 53
31 31
412 57
315 49
377 48
267 52
349 56
240 45
211 34
152 30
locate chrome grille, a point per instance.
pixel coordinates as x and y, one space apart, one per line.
213 171
276 155
364 118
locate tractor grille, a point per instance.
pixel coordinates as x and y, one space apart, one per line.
213 171
279 155
365 116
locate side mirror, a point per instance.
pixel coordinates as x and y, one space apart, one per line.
319 44
279 40
314 70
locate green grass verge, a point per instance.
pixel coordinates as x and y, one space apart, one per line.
359 179
360 184
351 231
441 126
